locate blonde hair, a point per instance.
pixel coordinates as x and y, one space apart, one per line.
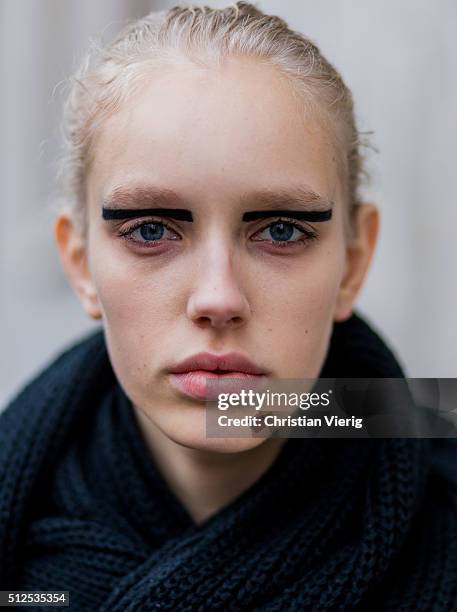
206 36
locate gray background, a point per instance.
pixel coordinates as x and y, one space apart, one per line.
399 59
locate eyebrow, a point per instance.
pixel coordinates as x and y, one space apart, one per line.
275 203
146 200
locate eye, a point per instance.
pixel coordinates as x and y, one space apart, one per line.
149 233
283 233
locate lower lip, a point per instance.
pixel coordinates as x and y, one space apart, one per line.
194 383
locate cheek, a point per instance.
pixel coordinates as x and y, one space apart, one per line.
298 305
140 301
132 297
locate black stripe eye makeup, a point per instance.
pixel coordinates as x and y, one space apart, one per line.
301 215
116 214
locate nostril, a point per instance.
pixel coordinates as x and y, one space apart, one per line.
204 320
219 321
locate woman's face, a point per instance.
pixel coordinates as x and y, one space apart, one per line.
214 144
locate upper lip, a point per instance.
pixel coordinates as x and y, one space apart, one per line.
229 362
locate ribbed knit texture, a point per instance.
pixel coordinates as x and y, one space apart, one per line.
333 524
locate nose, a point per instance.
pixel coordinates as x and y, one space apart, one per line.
217 299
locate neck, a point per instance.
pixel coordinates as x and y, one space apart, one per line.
205 481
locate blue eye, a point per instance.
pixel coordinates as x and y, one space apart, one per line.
149 232
281 231
285 234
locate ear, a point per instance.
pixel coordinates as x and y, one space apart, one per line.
359 252
73 255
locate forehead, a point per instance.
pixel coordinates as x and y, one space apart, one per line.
212 132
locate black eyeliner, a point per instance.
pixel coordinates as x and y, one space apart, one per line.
180 214
303 215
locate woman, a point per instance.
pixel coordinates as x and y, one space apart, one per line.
215 228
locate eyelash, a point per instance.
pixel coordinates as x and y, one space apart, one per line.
127 233
309 233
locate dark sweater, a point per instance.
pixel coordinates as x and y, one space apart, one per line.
334 524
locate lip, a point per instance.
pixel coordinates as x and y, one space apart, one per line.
229 362
230 373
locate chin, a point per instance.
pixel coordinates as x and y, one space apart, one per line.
219 445
186 426
191 433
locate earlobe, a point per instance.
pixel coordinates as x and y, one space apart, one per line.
73 255
359 253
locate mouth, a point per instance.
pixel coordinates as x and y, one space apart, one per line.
203 376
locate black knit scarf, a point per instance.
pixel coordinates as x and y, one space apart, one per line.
333 524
